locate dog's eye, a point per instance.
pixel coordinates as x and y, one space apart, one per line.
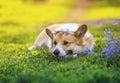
55 42
65 42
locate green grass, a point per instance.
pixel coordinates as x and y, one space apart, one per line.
17 65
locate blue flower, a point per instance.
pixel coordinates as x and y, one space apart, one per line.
85 52
112 45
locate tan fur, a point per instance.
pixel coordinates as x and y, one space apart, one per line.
77 40
44 36
73 41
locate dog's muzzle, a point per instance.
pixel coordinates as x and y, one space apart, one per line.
57 52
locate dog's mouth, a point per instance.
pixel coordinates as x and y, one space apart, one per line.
69 52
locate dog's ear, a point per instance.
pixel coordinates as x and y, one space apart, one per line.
80 32
49 33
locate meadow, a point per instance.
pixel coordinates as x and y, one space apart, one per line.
21 22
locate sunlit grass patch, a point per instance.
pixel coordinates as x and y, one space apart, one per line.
18 65
17 34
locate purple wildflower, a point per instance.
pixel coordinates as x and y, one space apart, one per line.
107 32
103 50
112 45
85 52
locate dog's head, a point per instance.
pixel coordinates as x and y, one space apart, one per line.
67 43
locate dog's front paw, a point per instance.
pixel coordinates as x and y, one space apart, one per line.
31 48
75 55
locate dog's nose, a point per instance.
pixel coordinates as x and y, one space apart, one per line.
56 52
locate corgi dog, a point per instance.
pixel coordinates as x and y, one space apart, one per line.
65 39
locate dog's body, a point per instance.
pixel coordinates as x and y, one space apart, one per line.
65 39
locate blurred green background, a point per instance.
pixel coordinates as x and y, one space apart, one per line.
24 17
41 12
